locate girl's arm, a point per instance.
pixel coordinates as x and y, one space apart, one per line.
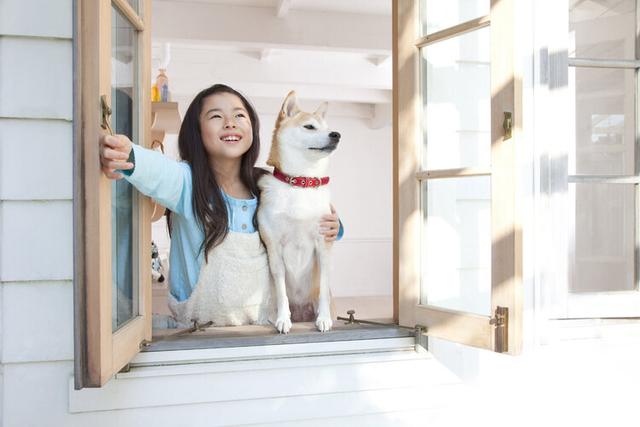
165 180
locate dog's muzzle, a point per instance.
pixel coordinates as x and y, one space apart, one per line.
334 138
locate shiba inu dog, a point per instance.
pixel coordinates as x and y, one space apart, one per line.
292 202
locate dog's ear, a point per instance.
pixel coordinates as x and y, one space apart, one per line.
289 106
322 109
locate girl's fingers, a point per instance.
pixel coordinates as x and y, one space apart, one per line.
332 217
111 154
330 224
111 141
330 237
117 165
111 174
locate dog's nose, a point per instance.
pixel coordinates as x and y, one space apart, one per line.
334 135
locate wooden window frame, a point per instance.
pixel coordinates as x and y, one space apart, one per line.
506 94
100 352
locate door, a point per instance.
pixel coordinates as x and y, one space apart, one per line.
458 246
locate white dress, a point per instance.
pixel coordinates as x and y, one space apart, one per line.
234 286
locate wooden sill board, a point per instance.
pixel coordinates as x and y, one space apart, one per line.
253 335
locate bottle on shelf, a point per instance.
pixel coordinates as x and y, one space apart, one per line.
160 91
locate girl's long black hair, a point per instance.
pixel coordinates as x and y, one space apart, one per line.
208 204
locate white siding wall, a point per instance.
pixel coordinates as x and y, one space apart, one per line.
36 262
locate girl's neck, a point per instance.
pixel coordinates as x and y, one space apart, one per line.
227 173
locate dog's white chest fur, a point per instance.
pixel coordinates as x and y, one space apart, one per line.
292 215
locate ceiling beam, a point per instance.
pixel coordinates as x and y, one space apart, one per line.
206 23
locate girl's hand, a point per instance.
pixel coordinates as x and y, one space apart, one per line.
330 225
114 152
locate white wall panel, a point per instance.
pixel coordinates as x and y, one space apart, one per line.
36 159
362 268
37 321
41 18
36 77
39 397
37 240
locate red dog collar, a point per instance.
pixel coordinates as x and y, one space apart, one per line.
301 181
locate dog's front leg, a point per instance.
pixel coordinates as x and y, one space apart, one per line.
276 263
323 321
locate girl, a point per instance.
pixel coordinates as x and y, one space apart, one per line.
219 270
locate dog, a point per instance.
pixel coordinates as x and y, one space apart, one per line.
292 202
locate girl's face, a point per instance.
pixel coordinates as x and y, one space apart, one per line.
225 126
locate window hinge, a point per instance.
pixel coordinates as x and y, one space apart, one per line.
500 321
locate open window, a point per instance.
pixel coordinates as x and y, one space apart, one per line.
113 301
457 116
603 170
456 243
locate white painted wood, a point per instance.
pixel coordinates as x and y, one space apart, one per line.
37 321
36 78
282 8
39 18
178 357
46 146
242 381
194 67
36 241
199 22
45 386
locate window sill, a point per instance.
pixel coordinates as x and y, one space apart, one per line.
248 371
260 342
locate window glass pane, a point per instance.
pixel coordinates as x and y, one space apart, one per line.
124 101
605 121
134 5
456 244
602 29
603 238
456 94
436 15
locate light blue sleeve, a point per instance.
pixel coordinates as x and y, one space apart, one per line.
165 180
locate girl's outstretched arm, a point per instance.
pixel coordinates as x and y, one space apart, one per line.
165 180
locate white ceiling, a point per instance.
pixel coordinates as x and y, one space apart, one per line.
335 50
372 7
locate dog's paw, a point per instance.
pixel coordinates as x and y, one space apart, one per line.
283 325
324 323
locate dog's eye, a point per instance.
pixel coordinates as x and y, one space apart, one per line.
310 127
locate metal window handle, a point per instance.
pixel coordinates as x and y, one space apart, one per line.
106 115
507 124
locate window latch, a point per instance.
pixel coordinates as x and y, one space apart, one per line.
106 115
507 124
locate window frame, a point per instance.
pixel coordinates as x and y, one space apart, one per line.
99 352
506 265
597 304
565 305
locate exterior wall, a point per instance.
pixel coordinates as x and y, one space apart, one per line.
36 263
